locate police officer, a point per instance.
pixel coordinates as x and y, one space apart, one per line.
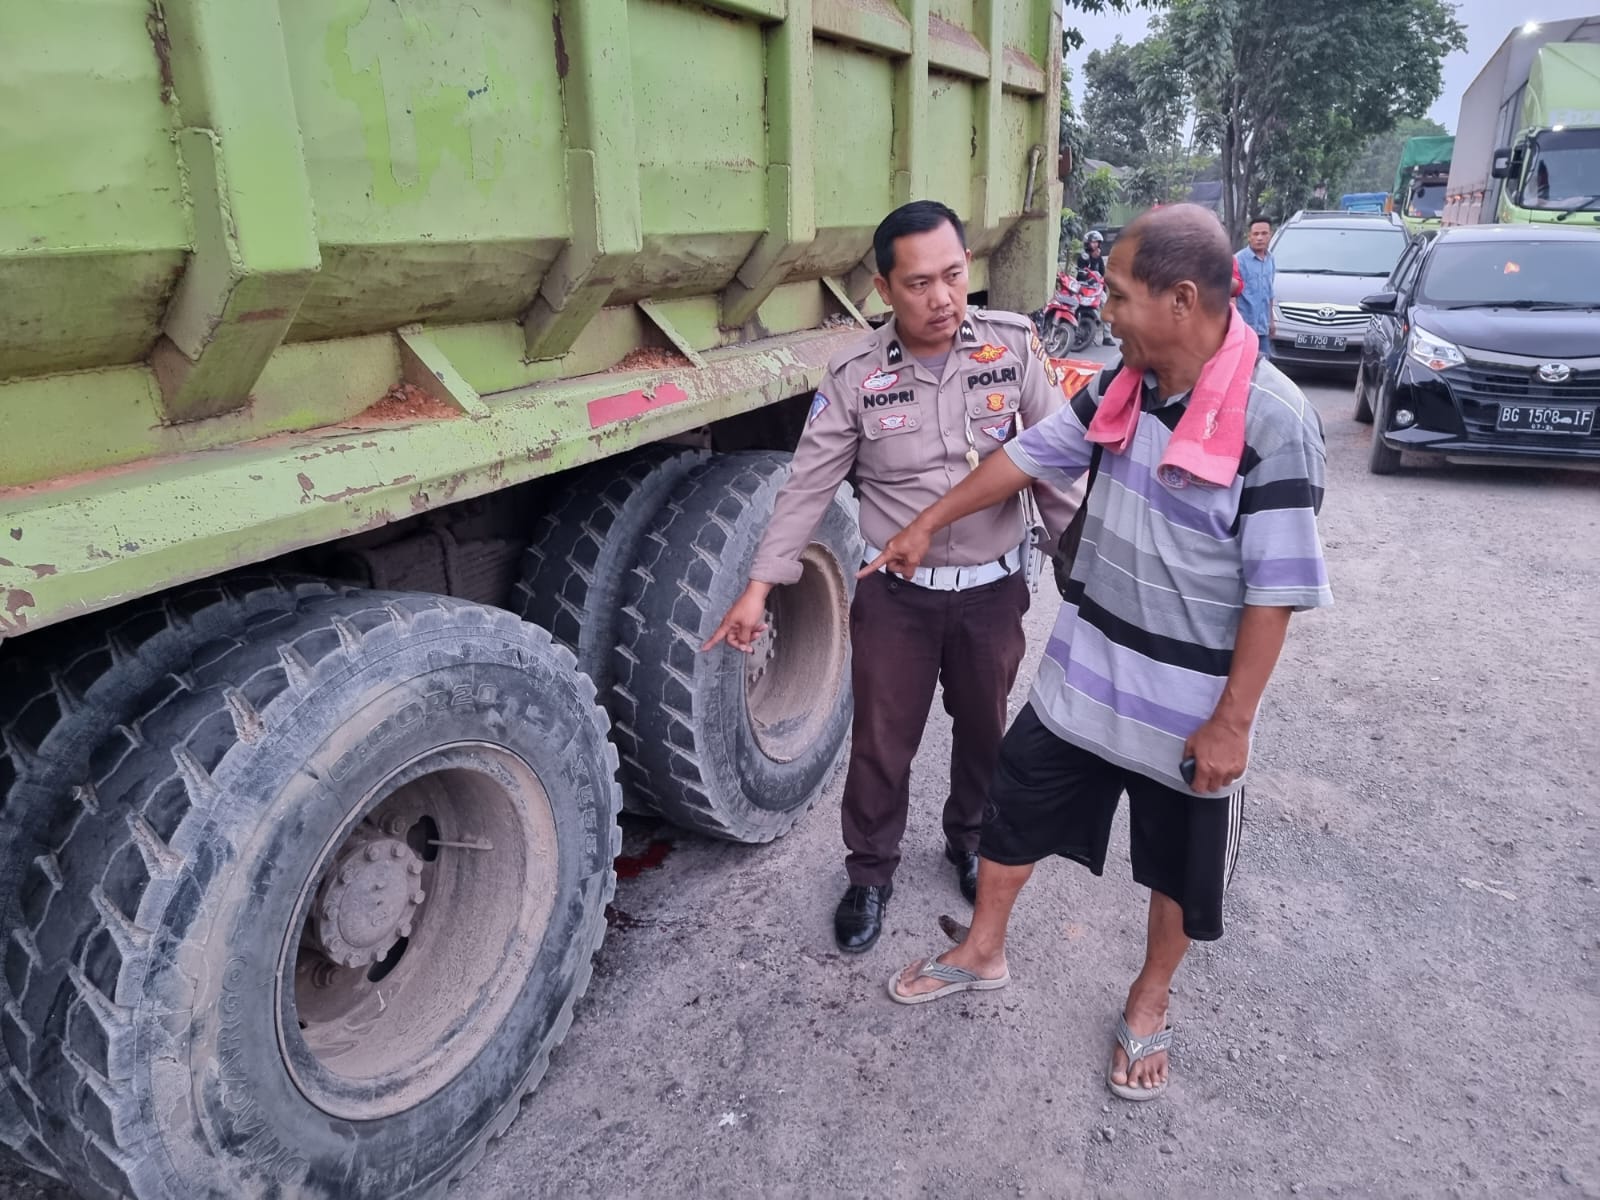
911 408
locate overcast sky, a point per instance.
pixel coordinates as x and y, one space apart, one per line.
1487 21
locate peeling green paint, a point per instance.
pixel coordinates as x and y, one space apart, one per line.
415 75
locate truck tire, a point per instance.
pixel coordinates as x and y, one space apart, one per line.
321 913
60 692
586 543
730 745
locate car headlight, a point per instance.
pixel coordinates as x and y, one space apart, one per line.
1432 352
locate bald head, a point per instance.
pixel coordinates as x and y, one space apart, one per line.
1178 243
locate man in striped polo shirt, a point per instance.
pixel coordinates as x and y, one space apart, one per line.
1177 608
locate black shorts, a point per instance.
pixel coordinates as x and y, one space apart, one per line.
1051 797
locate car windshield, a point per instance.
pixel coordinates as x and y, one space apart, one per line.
1324 251
1564 171
1511 272
1427 200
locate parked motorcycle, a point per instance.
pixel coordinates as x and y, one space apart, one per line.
1069 323
1058 320
1089 326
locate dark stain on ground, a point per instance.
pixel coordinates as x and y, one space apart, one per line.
631 866
618 919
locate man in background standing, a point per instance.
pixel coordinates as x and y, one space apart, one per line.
1259 273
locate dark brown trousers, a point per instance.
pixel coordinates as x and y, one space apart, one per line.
906 640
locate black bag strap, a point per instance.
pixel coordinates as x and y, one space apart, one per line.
1094 469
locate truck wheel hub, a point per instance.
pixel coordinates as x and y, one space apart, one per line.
368 901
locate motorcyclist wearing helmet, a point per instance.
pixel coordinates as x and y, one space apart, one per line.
1092 257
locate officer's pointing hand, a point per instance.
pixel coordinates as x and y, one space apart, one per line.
903 555
745 620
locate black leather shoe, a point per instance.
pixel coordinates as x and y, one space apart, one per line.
966 862
858 920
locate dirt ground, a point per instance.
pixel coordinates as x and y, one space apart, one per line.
1405 1003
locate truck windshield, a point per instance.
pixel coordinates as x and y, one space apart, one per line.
1321 251
1427 200
1564 170
1513 273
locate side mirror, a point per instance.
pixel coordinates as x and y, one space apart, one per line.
1381 302
1504 164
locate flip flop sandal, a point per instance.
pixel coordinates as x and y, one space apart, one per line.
1136 1048
955 979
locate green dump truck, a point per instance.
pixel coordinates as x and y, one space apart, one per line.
1528 137
391 397
1419 182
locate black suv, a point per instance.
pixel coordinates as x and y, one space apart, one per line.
1485 345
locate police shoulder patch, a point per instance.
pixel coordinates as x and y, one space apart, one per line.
867 343
819 405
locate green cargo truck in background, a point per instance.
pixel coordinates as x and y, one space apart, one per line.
1527 145
391 397
1419 182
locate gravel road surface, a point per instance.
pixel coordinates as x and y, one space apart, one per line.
1405 1004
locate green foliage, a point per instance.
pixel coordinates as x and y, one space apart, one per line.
1374 166
1133 101
1293 92
1072 132
1096 193
1073 227
1072 39
1111 110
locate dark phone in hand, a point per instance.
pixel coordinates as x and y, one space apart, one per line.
1186 769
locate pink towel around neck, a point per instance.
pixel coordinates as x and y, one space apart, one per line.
1209 439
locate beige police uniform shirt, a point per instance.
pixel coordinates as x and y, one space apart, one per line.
906 434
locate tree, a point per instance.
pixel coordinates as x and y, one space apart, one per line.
1374 166
1096 194
1134 102
1072 132
1072 38
1113 117
1293 91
